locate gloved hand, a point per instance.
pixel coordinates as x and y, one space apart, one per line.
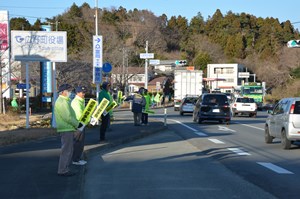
80 127
93 121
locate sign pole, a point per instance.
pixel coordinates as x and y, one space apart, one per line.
27 95
54 93
146 67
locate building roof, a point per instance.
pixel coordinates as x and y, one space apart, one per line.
158 79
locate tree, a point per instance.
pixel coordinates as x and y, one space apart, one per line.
201 60
19 24
197 24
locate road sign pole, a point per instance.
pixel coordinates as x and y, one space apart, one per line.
146 67
27 95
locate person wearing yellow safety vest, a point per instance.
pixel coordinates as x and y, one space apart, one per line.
105 120
66 125
138 103
78 105
144 113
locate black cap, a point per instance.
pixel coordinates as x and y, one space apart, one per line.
64 87
81 89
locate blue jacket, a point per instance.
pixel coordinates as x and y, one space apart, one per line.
138 103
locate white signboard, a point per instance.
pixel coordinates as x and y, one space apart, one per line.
39 46
244 74
154 61
146 55
97 58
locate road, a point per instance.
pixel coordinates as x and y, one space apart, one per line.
238 148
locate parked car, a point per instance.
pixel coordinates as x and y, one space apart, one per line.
244 106
284 122
187 105
212 106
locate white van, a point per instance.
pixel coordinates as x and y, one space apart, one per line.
284 122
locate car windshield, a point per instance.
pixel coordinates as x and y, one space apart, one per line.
190 100
215 99
245 100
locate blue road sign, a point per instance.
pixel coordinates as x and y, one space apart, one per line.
97 75
22 86
106 67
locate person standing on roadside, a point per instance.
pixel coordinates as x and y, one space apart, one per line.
105 120
78 105
138 103
144 113
66 125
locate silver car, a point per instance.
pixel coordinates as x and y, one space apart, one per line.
284 122
187 105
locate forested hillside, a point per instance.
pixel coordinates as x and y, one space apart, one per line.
258 43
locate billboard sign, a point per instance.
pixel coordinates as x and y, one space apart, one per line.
39 46
4 30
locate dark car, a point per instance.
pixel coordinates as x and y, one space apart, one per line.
212 106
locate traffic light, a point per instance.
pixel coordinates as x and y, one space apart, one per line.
181 62
293 44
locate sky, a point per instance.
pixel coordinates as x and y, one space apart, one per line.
283 10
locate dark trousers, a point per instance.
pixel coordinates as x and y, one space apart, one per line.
104 125
145 118
78 148
66 153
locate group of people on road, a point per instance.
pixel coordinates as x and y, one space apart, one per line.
68 113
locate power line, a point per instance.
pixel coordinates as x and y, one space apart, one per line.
27 7
27 16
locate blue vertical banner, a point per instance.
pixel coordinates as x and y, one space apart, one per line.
97 58
46 73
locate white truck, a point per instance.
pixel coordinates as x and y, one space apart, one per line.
186 83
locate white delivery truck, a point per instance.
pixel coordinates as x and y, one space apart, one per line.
186 83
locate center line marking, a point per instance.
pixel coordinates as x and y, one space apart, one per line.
275 168
194 130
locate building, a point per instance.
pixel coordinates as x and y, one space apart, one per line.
224 77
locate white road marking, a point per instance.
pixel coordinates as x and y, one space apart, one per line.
194 130
238 151
250 126
223 128
216 141
275 168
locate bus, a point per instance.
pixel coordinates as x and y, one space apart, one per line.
255 91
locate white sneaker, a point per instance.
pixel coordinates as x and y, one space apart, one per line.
80 162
